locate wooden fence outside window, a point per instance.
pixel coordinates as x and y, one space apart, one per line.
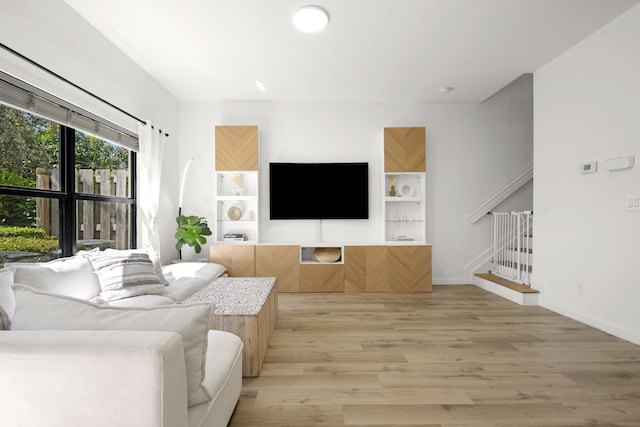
103 224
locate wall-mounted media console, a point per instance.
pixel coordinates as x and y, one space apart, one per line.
357 268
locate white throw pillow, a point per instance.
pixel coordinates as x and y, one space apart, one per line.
70 276
41 311
126 274
207 271
153 256
7 299
85 253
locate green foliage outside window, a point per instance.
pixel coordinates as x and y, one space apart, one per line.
26 239
17 211
93 153
28 142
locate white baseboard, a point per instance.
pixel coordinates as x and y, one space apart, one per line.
621 333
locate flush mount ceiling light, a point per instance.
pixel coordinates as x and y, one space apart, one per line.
445 89
310 19
261 87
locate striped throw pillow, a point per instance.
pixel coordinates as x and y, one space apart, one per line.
126 275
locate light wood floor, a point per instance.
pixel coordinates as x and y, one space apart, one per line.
459 356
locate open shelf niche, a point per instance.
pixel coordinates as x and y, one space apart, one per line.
237 204
405 209
330 254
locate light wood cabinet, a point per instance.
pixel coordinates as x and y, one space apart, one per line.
365 269
404 184
405 149
236 148
281 261
322 278
409 268
238 259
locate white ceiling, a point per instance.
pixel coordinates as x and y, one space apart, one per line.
371 51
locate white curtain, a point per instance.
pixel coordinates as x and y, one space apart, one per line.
152 142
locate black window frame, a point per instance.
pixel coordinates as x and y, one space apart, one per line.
67 196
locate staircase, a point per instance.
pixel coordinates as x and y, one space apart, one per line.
515 292
511 258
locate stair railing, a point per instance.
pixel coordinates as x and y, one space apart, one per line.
511 243
500 196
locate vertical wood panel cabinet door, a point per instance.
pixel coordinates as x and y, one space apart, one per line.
405 149
322 278
281 261
377 269
236 148
365 269
409 268
238 259
355 269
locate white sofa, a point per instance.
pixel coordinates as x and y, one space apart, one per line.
74 356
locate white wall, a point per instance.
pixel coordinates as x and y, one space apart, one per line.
52 34
472 151
587 107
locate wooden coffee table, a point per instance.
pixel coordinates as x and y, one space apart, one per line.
248 308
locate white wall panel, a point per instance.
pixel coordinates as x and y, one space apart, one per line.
587 107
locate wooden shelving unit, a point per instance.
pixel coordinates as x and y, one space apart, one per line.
237 182
404 206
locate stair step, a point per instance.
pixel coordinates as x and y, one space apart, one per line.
507 289
523 289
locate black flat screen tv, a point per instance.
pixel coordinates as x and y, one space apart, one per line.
319 190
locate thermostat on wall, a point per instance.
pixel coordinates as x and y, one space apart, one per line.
618 163
589 167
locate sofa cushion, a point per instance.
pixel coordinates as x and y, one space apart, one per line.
224 376
124 274
142 301
40 311
206 271
7 299
183 287
70 276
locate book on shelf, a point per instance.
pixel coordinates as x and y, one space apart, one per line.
402 238
234 237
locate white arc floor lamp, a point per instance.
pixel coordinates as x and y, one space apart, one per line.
182 181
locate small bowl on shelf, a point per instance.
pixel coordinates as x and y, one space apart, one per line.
326 254
234 213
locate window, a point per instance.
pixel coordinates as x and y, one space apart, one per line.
61 190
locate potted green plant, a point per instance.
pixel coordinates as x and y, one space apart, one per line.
192 231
